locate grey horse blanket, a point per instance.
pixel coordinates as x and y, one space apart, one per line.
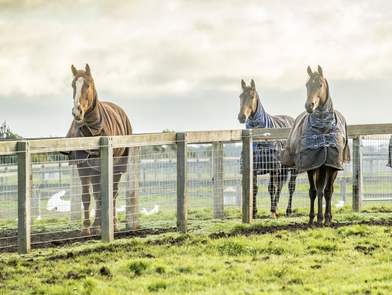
317 139
266 155
104 119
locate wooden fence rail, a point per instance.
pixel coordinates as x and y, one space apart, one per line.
25 148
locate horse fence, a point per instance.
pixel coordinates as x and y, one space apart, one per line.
173 180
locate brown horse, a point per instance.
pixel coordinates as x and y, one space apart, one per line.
318 144
266 155
95 118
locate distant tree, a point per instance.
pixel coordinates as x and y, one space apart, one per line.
6 133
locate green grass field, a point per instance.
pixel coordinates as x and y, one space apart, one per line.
220 257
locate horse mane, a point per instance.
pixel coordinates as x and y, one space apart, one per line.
328 100
258 103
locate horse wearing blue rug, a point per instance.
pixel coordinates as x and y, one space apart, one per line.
266 155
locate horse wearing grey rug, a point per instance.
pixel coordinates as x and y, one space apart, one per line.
318 144
266 155
93 117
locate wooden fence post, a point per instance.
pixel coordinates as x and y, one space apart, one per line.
24 196
218 180
247 176
106 157
357 175
182 193
132 200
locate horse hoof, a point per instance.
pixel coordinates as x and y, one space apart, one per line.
288 213
274 215
319 224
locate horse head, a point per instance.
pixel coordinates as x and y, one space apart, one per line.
317 90
248 101
84 93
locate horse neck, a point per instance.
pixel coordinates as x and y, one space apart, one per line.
93 115
260 118
326 104
258 108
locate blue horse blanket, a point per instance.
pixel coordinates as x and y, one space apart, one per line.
266 154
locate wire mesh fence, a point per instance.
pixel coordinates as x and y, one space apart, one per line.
377 176
214 181
147 196
65 196
8 202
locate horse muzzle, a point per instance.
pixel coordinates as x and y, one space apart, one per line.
309 107
241 118
78 115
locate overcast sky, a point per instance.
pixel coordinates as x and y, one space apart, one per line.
178 64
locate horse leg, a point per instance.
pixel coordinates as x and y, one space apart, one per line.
97 196
281 180
86 198
312 195
331 176
320 186
255 189
292 183
272 191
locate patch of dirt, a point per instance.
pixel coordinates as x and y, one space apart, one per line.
367 249
8 239
105 271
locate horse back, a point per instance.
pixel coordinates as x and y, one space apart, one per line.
114 120
282 121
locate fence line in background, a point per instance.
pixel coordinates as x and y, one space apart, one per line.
24 150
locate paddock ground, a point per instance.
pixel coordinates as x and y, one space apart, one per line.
282 256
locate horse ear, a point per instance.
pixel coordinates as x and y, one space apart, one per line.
88 71
309 71
252 84
243 84
74 70
320 70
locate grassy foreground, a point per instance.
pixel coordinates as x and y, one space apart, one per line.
267 257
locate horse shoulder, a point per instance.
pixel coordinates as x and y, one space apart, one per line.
73 130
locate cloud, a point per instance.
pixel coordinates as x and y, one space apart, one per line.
190 50
175 46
